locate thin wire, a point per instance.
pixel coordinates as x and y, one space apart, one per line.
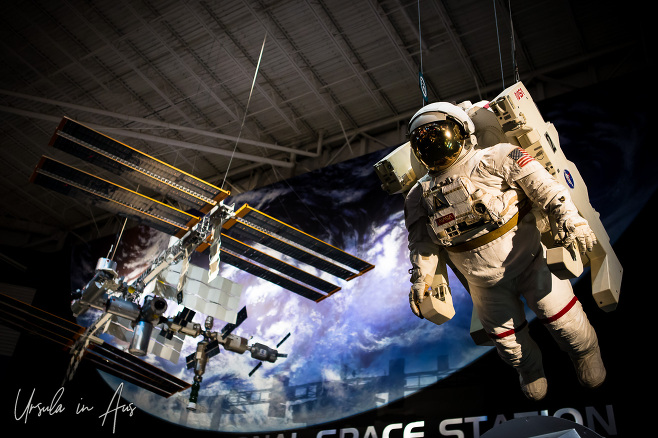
515 67
500 55
420 39
253 82
420 49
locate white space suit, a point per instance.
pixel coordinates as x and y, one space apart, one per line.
473 207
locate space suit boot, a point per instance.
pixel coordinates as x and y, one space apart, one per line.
536 386
589 368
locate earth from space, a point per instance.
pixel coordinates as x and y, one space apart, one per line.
362 347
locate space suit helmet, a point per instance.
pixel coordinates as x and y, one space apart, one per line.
439 133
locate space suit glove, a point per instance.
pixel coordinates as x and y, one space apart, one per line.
422 274
416 296
576 229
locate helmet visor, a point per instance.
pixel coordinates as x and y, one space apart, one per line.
438 144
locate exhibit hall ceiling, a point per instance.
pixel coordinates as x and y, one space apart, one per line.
247 93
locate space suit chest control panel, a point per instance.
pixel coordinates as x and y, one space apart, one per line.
457 208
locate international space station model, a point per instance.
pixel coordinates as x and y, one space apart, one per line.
134 311
512 117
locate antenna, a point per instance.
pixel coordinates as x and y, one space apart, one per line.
116 245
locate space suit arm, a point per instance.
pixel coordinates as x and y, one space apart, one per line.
423 250
551 196
423 267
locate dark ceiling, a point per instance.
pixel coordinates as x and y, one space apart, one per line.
246 93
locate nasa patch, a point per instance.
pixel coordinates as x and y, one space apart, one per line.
445 219
569 179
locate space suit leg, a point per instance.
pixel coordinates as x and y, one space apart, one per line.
554 303
502 316
575 335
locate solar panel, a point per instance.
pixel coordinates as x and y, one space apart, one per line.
167 345
72 182
228 328
246 232
126 366
28 319
32 320
285 338
212 349
121 159
258 271
190 361
218 297
258 219
182 318
251 373
269 261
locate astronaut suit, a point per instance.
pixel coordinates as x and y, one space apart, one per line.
501 255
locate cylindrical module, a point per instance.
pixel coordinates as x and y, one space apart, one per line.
94 289
263 352
236 344
107 265
153 307
194 395
201 359
141 337
123 308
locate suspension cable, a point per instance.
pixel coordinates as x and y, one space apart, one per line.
500 55
421 78
515 66
244 117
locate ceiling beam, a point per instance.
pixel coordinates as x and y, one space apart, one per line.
457 44
275 104
154 138
152 122
519 45
347 52
399 45
119 54
305 71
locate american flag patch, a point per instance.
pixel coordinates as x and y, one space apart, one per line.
520 156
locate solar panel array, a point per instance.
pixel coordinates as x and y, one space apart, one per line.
92 146
298 258
112 197
34 321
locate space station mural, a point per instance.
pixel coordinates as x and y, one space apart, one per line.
285 307
345 352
